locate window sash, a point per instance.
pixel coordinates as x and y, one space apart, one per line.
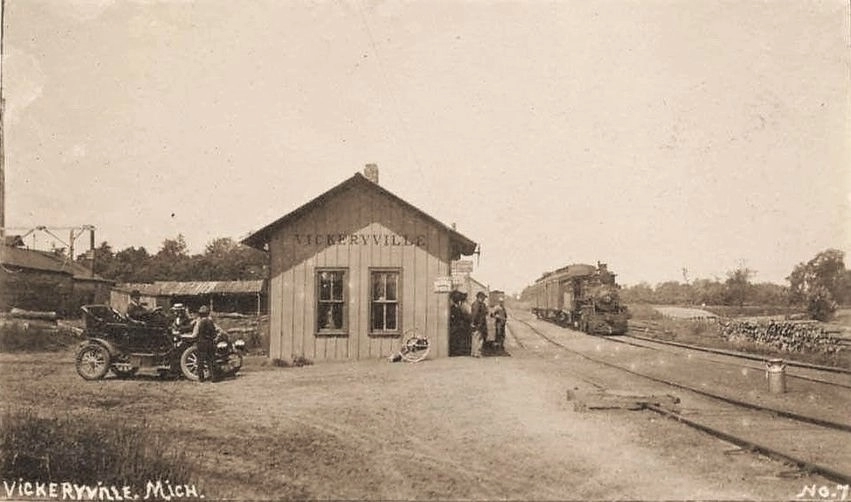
331 301
385 309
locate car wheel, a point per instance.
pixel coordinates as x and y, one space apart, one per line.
189 363
93 361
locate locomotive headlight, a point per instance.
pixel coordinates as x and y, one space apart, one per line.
239 345
222 345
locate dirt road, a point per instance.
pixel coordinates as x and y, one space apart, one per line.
460 428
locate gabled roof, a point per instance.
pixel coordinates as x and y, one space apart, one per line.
35 259
261 237
31 259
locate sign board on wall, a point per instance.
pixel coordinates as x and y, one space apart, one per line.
443 285
459 280
462 267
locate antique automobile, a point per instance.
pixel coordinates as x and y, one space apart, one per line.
123 346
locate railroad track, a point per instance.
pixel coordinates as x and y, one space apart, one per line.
741 355
728 358
777 431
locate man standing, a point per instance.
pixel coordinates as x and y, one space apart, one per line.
205 334
479 323
500 317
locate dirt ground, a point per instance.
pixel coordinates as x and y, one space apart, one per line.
460 428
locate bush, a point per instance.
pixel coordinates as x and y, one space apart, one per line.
23 336
86 451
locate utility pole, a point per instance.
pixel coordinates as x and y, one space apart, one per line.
2 126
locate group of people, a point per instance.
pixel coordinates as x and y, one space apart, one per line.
203 330
474 320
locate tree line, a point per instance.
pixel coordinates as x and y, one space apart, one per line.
818 286
223 259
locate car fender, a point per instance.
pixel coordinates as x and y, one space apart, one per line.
109 346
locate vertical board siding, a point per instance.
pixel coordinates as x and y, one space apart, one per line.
276 299
356 288
292 288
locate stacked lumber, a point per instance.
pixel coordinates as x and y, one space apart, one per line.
33 314
786 336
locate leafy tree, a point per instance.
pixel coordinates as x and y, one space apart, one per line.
131 265
819 284
226 260
767 293
737 287
672 293
707 292
638 293
104 258
172 261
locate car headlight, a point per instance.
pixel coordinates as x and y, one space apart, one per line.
222 345
239 344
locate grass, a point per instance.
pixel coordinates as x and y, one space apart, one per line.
86 450
644 312
22 336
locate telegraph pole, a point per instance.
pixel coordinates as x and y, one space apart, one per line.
2 126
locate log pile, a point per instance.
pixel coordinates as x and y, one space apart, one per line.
786 336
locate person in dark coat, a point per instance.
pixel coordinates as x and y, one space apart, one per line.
135 310
205 333
479 323
459 324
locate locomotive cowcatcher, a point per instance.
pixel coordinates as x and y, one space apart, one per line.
121 345
580 296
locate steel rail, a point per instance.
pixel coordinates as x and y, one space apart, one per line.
726 363
799 364
786 414
803 465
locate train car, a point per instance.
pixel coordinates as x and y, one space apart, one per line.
495 296
580 296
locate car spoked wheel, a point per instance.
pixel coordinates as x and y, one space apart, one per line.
92 361
189 363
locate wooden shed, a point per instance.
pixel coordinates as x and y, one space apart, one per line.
353 270
246 297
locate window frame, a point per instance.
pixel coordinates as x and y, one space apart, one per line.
318 302
398 301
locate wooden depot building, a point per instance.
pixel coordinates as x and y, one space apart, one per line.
353 270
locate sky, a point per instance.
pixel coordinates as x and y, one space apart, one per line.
655 136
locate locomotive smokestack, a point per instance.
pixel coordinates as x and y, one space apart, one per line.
370 172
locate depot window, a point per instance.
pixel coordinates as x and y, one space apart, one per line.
384 304
331 299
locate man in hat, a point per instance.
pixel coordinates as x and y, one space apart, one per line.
205 334
135 310
459 323
500 317
479 323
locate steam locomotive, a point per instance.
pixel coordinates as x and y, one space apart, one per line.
580 296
